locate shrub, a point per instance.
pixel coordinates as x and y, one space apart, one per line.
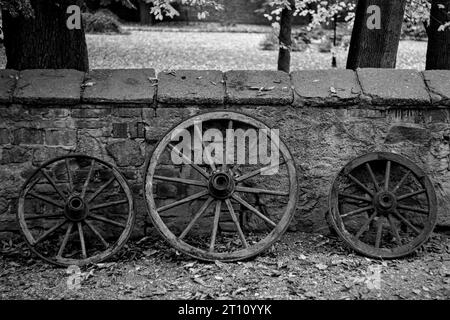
271 42
102 21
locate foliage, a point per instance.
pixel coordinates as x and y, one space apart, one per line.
160 8
102 21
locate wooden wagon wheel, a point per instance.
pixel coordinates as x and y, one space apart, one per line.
259 207
75 210
383 205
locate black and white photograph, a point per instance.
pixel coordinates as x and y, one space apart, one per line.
216 157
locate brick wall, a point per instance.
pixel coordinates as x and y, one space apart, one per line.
326 117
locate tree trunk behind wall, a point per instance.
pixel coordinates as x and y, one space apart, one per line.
44 41
284 55
376 48
438 52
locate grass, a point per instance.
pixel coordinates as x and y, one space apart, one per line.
213 50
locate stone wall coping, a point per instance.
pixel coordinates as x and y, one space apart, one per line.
376 88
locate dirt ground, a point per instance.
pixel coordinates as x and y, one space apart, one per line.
300 266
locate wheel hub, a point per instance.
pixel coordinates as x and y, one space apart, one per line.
76 209
385 201
221 185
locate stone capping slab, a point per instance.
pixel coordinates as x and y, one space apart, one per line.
191 87
8 80
48 86
258 87
391 87
325 87
120 86
379 88
438 82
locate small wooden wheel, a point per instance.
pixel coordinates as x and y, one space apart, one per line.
75 210
214 210
383 205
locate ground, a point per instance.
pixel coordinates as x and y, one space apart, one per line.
163 50
300 266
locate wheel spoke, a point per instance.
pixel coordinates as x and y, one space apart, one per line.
374 180
65 240
83 244
258 171
359 183
69 175
379 234
181 180
215 226
44 216
197 216
97 233
193 165
49 232
409 224
50 180
106 220
352 213
108 204
236 222
88 179
208 156
400 184
45 199
394 230
412 194
388 176
408 208
351 196
183 201
262 191
253 209
103 187
365 225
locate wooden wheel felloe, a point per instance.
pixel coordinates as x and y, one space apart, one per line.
216 210
75 210
383 205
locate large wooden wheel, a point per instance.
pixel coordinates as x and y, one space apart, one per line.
75 210
219 211
383 205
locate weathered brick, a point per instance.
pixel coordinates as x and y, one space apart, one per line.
127 112
390 87
120 130
258 88
198 87
126 153
92 124
47 86
8 79
4 136
97 113
410 133
61 137
28 136
120 86
41 155
136 129
15 154
325 87
438 82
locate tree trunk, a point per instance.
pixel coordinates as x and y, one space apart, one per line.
144 12
284 55
44 41
438 53
376 48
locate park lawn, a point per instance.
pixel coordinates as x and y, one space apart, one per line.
211 50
